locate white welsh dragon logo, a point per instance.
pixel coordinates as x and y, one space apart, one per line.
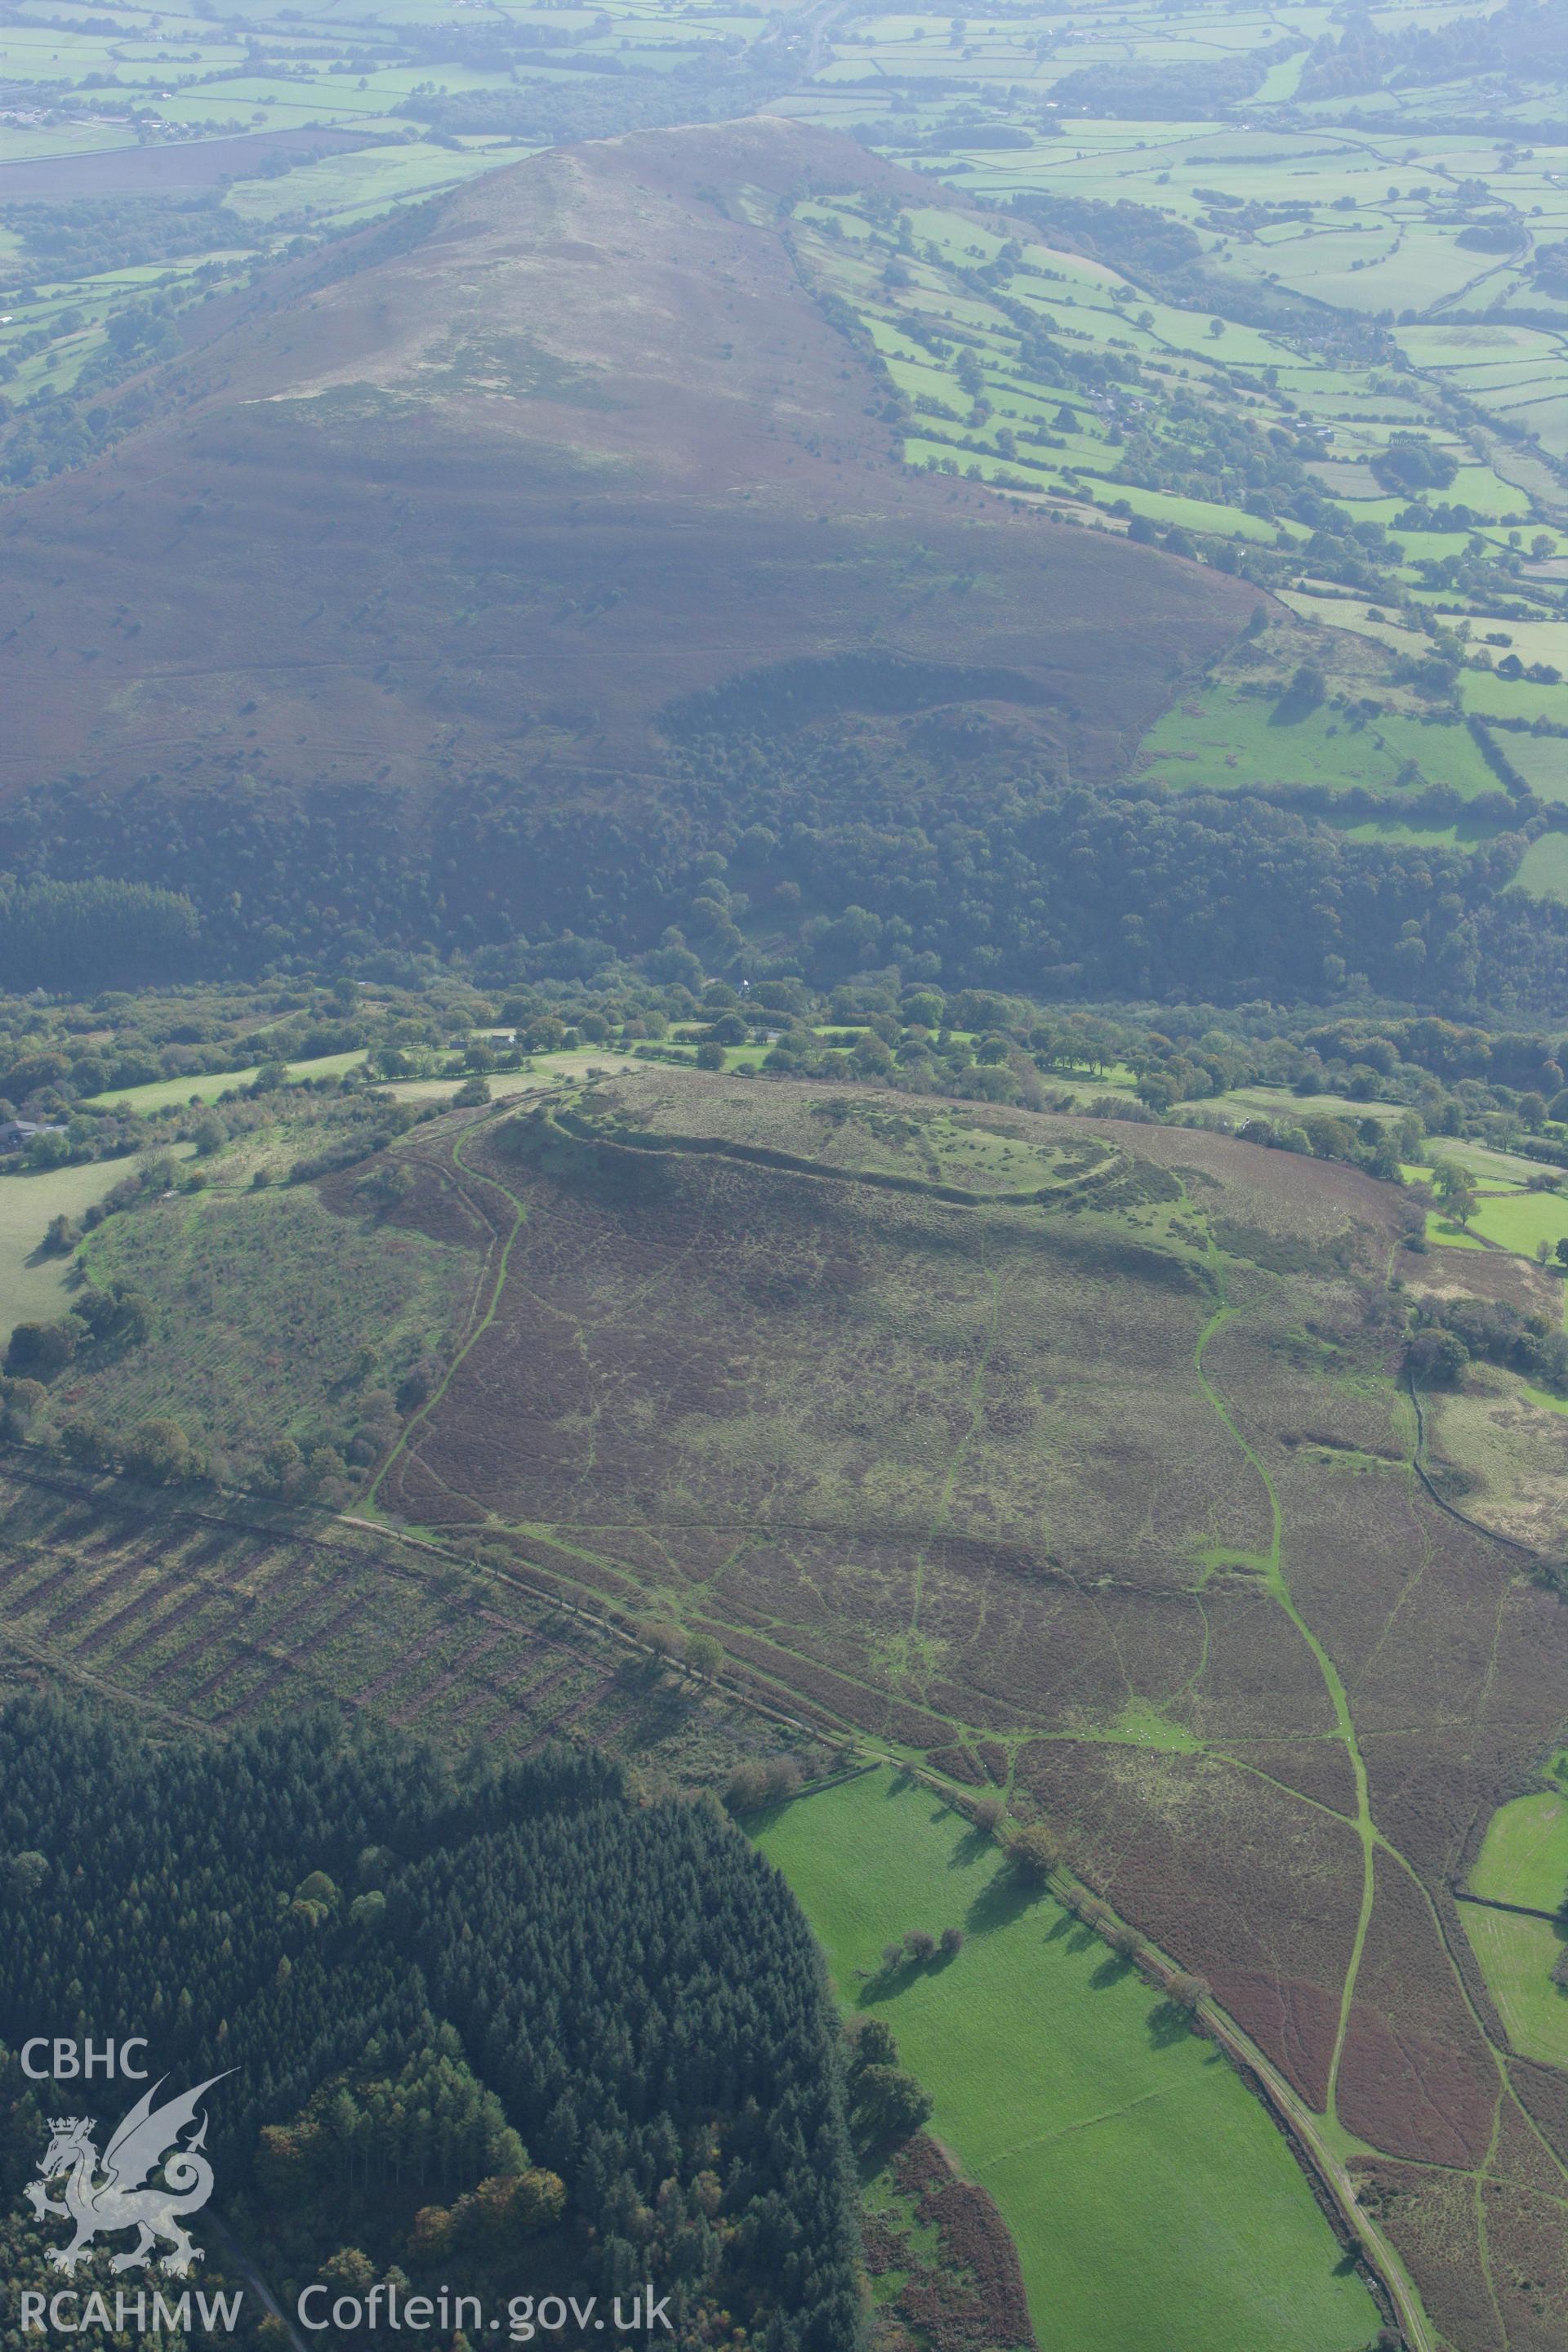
101 2197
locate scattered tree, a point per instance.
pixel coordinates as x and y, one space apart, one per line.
1034 1850
1456 1188
659 1635
160 1451
886 2103
704 1656
761 1780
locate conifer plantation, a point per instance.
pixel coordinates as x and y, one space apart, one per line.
503 2030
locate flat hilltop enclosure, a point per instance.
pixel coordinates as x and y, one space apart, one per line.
514 476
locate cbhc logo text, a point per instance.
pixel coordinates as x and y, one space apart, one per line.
79 2061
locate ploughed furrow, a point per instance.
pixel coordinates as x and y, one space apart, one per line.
151 1597
404 1663
430 1692
296 1662
82 1605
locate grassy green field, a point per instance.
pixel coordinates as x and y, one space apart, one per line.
1543 868
1154 2206
1543 762
1521 1220
165 1093
1491 696
33 1288
1488 1166
1222 738
1448 1234
1517 1957
1524 1856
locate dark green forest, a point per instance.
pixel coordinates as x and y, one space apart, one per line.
511 2026
833 859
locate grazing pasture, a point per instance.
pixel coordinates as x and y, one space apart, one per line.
1153 2204
165 1093
1522 1220
1517 1957
1543 762
1524 1856
1222 738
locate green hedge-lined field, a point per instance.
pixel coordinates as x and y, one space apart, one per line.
1154 2205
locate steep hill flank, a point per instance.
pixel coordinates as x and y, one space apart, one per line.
487 488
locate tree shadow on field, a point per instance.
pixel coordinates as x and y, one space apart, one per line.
971 1847
1077 1937
1300 701
662 1708
1114 1970
1168 2024
1001 1901
888 1983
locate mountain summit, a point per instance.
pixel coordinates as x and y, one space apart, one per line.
500 482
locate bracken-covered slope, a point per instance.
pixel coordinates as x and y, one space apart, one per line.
1073 1459
489 488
